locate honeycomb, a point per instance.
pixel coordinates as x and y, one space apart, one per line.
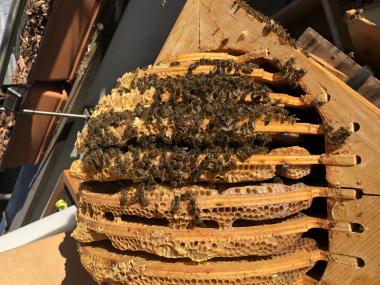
243 171
196 171
106 265
197 244
254 203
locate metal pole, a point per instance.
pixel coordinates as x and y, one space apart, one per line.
9 35
46 113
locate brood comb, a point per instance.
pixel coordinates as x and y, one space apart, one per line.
218 168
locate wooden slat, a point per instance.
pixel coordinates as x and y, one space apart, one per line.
305 193
229 200
257 73
318 46
296 128
365 33
295 226
196 56
337 160
338 63
209 270
290 101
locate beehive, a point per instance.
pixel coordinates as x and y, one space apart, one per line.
223 167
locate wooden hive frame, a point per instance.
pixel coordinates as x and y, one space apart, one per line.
257 203
352 259
284 269
206 25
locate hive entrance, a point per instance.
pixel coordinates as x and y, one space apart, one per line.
213 158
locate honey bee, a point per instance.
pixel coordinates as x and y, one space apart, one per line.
174 208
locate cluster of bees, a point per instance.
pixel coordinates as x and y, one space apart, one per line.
178 143
218 96
35 25
290 73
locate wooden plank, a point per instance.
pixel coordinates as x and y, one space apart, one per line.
330 68
365 34
318 46
195 56
338 63
291 101
296 128
371 90
257 73
340 160
352 245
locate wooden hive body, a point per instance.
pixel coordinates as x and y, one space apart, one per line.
352 175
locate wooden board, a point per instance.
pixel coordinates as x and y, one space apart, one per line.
317 45
364 28
338 63
348 246
224 25
371 90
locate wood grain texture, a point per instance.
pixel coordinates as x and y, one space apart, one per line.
338 63
365 33
365 212
317 45
223 25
